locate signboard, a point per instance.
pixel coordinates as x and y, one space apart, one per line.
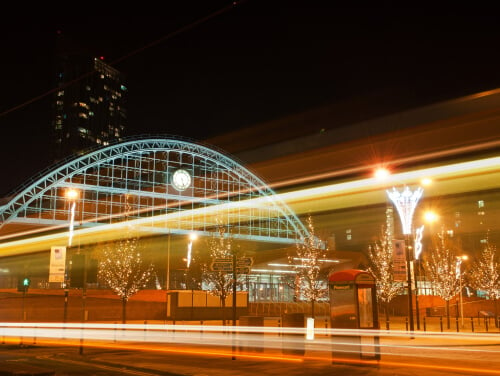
57 267
399 260
244 261
243 265
222 265
243 270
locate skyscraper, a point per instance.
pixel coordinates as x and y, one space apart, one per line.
89 103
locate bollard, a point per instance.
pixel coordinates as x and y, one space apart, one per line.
498 323
406 320
472 324
387 324
457 325
425 325
326 324
486 324
441 322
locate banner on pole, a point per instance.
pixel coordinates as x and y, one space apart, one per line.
57 264
399 260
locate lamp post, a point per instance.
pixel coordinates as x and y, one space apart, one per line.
71 196
406 202
192 238
418 250
167 282
459 276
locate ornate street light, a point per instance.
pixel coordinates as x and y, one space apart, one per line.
406 202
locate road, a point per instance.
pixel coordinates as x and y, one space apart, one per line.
212 352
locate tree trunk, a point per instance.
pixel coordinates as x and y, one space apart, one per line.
387 315
223 305
495 301
448 314
124 310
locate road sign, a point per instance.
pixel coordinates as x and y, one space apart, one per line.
222 265
244 261
225 264
243 270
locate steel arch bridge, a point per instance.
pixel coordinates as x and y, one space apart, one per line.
134 182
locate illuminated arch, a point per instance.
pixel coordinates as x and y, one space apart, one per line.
132 182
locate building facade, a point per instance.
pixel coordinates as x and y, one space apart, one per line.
89 105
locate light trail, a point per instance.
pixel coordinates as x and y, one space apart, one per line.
336 195
450 352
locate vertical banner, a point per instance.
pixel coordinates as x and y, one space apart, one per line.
399 260
57 264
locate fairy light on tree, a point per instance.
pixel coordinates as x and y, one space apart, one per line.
485 274
381 266
441 267
307 262
123 268
220 282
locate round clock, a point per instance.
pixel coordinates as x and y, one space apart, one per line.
181 180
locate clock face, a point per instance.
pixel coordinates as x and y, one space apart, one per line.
181 180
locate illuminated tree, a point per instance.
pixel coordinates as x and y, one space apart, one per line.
307 262
485 273
220 283
441 266
380 265
123 269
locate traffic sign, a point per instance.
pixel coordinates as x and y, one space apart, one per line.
244 261
243 270
222 265
225 264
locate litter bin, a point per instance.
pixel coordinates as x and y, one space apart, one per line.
250 340
293 343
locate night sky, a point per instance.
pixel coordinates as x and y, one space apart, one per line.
198 69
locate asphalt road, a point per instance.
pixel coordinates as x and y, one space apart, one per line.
403 357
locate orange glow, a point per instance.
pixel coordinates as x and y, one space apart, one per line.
71 194
382 173
430 217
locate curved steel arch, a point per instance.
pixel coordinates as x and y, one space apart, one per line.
132 180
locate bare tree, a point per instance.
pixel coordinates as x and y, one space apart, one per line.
484 273
307 262
123 269
441 267
380 265
220 282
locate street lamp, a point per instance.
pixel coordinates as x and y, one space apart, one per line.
406 202
459 276
192 238
71 195
419 233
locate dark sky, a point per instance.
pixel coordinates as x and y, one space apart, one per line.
245 64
